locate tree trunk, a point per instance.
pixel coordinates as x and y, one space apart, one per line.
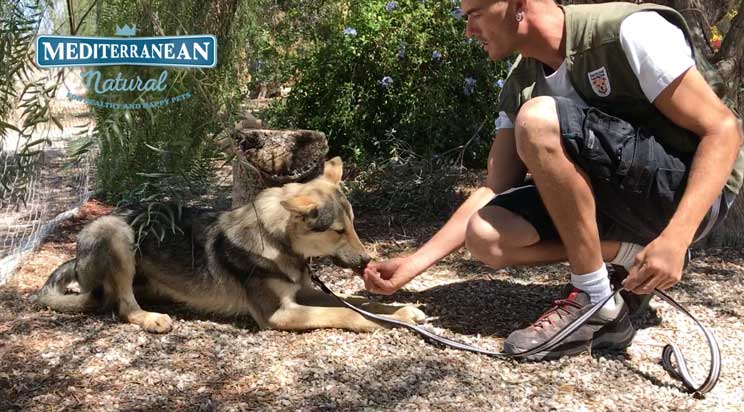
270 158
729 60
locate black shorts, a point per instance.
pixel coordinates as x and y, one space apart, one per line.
637 183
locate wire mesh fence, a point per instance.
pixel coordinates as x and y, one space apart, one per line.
57 186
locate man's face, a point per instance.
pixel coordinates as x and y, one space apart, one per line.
493 24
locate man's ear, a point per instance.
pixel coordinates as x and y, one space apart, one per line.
302 205
333 170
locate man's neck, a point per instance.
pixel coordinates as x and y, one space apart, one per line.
546 41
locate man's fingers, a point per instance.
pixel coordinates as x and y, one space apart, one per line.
666 285
640 257
648 285
367 284
636 275
375 284
668 282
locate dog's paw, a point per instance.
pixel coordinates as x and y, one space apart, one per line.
156 323
410 314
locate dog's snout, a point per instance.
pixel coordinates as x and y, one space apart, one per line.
357 262
365 260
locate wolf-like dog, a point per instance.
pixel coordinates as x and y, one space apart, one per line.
250 260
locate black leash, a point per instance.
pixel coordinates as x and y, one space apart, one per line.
679 372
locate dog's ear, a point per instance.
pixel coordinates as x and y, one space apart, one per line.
302 205
333 170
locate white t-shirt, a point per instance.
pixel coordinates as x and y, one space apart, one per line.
657 52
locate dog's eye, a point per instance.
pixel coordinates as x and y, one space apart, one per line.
340 231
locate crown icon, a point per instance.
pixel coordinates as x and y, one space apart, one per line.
126 30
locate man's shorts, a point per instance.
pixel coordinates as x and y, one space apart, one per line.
637 183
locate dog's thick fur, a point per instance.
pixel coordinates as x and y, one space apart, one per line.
251 260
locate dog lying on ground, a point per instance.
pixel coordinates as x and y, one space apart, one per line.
250 260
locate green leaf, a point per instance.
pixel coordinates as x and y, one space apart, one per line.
4 125
81 149
154 149
57 123
36 143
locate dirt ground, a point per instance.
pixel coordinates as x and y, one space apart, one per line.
92 362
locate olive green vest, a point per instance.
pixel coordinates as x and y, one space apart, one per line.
599 71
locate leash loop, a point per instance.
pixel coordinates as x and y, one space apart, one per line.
681 372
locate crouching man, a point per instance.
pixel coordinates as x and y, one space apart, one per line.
633 158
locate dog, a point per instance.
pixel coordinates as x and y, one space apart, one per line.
250 260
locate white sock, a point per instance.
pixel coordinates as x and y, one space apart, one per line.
595 284
626 255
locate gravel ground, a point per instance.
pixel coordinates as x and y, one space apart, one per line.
61 362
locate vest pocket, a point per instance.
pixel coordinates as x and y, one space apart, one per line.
637 167
599 164
651 176
603 138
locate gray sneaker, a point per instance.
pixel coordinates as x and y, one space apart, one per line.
608 329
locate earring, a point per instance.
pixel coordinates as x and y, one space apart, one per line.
519 16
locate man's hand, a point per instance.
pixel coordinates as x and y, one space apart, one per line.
658 266
388 276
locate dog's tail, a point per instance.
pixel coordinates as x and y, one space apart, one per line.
52 294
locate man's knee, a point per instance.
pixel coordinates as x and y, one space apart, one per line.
482 239
537 130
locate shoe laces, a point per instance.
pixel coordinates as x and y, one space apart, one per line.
560 308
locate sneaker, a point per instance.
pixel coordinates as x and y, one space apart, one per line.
608 329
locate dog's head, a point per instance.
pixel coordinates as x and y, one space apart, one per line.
322 221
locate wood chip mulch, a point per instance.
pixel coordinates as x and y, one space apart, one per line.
91 362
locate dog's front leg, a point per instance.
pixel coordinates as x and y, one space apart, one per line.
301 317
314 297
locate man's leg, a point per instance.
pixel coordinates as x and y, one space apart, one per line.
567 195
564 188
501 238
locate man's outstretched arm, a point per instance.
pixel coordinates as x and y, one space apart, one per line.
505 170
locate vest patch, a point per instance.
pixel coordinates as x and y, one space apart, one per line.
600 82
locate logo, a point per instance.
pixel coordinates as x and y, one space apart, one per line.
600 82
195 51
167 51
126 30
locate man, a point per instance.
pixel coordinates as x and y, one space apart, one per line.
633 157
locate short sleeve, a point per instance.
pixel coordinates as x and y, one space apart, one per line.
656 49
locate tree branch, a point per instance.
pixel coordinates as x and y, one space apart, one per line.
71 17
82 19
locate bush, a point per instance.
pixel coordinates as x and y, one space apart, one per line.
405 191
390 78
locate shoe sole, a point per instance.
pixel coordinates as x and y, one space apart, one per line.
613 337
